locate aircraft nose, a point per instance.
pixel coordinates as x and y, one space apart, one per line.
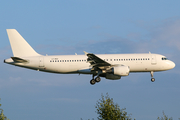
171 65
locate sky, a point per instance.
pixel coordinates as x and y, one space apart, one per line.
58 27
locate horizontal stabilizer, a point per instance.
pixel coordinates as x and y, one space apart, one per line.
17 59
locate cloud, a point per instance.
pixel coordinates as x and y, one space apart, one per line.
162 37
167 33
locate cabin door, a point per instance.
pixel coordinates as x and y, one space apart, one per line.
153 59
41 61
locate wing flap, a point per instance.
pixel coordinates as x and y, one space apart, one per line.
95 61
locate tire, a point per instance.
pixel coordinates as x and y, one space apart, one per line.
92 82
152 79
97 79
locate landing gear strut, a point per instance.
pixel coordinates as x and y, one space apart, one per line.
152 79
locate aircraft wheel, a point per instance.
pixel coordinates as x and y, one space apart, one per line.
98 79
92 82
152 79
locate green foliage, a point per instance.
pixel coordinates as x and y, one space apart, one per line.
2 116
165 117
108 110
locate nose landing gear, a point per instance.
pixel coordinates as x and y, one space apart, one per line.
152 79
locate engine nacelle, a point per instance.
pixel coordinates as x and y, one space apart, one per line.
121 70
112 76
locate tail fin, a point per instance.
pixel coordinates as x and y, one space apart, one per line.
19 46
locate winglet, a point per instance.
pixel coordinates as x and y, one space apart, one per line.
86 53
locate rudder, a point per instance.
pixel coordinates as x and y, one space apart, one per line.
19 46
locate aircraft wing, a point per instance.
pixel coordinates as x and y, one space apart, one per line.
96 61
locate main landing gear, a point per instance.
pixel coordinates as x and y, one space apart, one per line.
152 79
96 80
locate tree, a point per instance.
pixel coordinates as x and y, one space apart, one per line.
2 116
165 117
108 110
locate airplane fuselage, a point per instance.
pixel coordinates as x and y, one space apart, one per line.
78 63
110 66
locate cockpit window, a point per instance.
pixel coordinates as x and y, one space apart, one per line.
163 58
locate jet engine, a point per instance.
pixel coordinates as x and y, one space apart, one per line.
112 76
116 72
121 70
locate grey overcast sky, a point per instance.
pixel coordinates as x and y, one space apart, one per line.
59 27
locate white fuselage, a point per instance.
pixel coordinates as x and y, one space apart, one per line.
110 66
78 63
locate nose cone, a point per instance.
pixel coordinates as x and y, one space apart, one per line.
171 64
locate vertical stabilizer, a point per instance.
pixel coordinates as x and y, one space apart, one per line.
19 46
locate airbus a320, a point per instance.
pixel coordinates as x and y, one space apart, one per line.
110 66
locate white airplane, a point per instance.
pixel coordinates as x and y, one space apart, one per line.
110 66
